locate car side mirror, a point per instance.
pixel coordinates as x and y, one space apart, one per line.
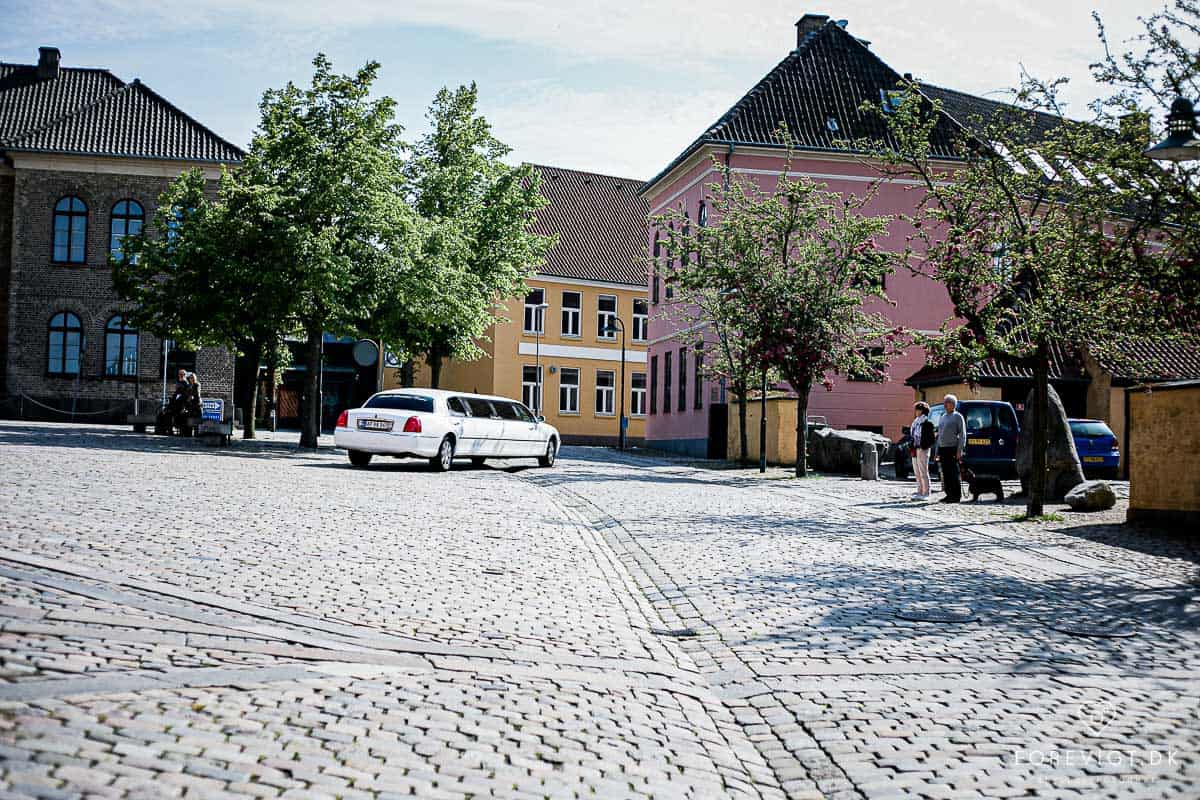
539 418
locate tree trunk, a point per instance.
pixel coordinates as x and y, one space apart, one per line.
743 436
310 426
435 367
801 430
1035 506
250 398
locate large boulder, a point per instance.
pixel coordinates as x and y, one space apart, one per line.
832 450
1091 496
1063 470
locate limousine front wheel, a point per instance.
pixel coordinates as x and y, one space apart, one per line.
445 456
551 451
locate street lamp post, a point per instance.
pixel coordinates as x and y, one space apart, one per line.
1181 143
617 324
539 314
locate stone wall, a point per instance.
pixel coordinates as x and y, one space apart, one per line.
6 217
40 288
1164 454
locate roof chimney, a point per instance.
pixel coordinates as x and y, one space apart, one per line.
809 23
48 58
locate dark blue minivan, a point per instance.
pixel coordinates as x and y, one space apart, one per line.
992 434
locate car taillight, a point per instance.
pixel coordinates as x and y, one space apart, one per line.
343 419
412 425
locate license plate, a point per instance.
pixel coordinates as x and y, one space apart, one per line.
374 424
979 441
1094 459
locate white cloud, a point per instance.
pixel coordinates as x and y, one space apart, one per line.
588 130
705 53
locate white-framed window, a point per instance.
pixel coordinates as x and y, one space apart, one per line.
641 319
1001 261
531 387
637 395
606 383
535 318
572 302
568 390
606 312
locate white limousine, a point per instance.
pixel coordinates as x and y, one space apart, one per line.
441 426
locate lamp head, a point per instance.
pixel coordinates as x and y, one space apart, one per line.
1181 143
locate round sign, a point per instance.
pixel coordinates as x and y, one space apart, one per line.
366 353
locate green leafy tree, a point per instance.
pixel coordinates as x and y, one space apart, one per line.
801 275
475 247
330 159
1037 250
210 270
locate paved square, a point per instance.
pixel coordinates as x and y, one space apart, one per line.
263 622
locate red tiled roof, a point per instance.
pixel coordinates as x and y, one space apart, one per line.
600 222
93 112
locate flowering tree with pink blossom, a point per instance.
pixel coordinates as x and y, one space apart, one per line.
800 274
1036 225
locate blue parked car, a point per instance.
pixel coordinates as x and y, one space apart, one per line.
1099 451
992 433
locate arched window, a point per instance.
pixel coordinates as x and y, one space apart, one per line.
702 215
70 231
127 220
120 348
66 343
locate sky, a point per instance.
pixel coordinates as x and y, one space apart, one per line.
618 88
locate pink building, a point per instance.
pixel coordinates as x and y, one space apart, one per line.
816 91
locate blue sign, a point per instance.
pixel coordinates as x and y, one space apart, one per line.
212 409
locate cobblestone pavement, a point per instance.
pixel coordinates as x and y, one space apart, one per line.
257 621
878 647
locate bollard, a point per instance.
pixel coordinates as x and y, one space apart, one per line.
870 463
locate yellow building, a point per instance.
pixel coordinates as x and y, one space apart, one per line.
563 360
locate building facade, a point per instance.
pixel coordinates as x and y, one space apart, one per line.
83 159
564 359
817 91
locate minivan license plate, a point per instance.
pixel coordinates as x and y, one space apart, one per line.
1094 459
374 424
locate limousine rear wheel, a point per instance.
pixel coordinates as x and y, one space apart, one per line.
359 459
551 451
445 457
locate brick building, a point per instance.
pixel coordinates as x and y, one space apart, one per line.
83 158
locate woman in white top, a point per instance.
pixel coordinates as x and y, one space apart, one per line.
920 449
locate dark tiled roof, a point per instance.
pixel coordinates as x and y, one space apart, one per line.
93 112
828 77
600 222
1163 361
970 111
1065 364
1147 361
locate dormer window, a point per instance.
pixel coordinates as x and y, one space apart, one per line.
891 100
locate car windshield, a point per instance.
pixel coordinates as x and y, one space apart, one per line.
401 402
1089 429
